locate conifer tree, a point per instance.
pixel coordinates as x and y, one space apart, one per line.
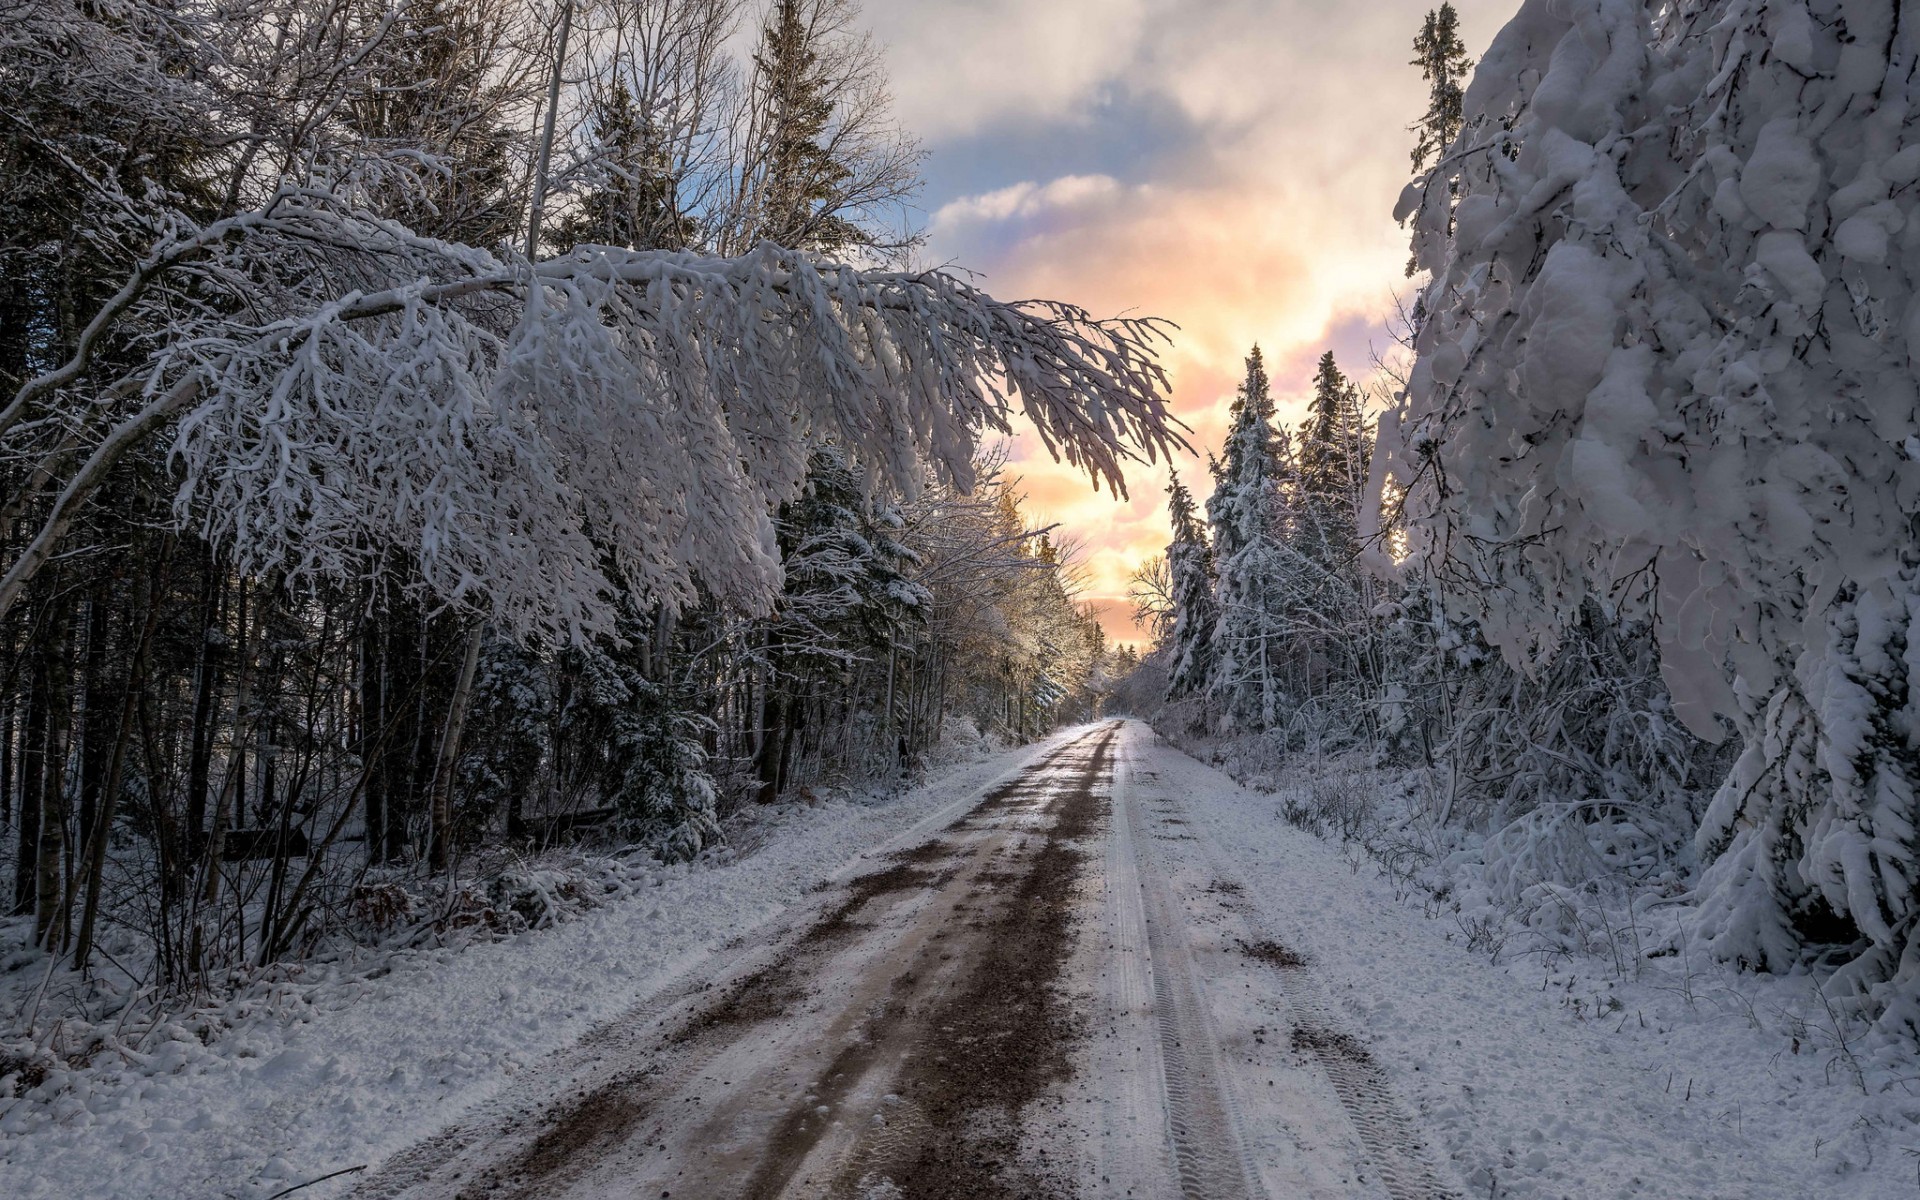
846 598
636 207
826 168
431 116
1190 564
1443 62
1248 513
802 174
1334 449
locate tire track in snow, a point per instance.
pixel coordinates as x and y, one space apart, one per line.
1389 1137
1209 1153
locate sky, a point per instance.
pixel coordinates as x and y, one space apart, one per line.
1229 165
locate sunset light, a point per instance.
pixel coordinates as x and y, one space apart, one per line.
1231 167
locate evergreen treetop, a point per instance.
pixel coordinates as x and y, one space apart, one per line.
1443 62
804 177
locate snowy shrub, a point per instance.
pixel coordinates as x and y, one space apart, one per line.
539 896
961 741
1336 803
378 908
1582 845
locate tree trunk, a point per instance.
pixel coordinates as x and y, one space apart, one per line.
206 689
95 736
96 843
772 738
51 851
406 712
33 760
235 774
373 728
439 851
766 756
6 760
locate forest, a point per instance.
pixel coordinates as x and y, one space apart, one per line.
1617 561
321 604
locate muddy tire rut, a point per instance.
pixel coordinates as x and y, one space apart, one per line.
893 1046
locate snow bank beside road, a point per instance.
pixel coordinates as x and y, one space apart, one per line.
357 1067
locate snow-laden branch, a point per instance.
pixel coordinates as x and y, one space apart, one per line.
634 429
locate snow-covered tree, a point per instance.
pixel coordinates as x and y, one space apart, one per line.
1334 448
1251 523
509 737
847 597
534 435
1443 62
628 738
1668 360
279 325
1195 608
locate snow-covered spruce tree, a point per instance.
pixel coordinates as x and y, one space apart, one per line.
1443 62
1195 608
628 739
1327 599
1334 447
509 737
1669 358
847 597
1250 519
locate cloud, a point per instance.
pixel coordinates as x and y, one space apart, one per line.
959 66
1230 165
1025 200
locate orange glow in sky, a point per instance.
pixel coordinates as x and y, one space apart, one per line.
1230 165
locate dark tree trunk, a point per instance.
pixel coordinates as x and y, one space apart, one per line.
206 690
766 761
95 730
773 718
404 645
6 760
33 759
51 852
373 725
440 849
96 844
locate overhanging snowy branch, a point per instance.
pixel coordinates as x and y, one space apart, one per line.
635 428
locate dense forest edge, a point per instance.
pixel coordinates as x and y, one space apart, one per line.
1592 621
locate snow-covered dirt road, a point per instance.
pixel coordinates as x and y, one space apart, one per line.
1118 974
1026 1004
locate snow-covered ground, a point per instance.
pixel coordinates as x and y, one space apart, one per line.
345 1070
1269 1013
1560 1078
